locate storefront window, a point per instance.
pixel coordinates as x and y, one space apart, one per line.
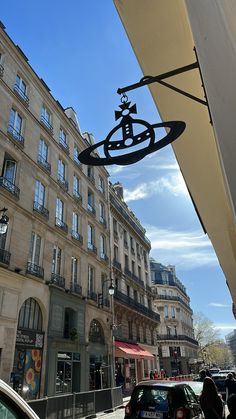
68 372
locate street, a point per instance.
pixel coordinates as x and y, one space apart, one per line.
118 414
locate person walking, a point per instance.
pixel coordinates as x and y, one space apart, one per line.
230 385
231 403
210 401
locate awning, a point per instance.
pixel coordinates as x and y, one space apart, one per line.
131 350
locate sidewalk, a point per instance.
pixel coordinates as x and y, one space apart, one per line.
125 401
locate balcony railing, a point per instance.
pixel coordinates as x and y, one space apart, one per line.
59 223
64 145
76 288
140 308
1 70
103 221
77 197
16 135
128 272
76 236
92 296
138 280
62 182
21 94
178 337
117 264
174 298
44 163
46 124
4 257
40 209
91 209
58 280
35 270
92 248
9 186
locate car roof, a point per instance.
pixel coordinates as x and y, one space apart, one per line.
161 383
13 395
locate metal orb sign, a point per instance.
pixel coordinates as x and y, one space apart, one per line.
134 133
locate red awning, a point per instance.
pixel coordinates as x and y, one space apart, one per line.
131 350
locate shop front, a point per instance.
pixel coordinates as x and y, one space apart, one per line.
100 367
132 364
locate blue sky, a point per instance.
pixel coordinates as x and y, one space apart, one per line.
81 51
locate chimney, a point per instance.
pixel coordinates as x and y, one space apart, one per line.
119 190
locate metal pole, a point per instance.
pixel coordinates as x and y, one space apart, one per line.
113 344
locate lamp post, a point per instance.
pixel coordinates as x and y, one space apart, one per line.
4 220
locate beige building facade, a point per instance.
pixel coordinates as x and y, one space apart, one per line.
176 342
54 258
136 321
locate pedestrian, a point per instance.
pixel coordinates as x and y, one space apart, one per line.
155 376
202 375
151 375
210 401
230 385
231 403
208 373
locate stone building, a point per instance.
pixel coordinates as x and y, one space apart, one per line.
177 346
135 321
54 258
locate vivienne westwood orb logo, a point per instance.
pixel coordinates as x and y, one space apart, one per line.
134 133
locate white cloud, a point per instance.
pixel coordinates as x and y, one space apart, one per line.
220 305
173 184
186 250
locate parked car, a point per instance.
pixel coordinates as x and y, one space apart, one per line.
219 380
163 400
196 386
12 406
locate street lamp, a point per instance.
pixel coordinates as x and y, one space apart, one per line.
111 291
4 220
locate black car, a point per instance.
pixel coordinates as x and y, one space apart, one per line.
163 400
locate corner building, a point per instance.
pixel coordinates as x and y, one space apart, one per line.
177 346
135 322
54 258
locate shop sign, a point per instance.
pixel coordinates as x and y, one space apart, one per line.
29 338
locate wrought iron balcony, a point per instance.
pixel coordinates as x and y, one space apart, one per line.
76 288
58 280
44 163
1 70
62 182
9 186
91 209
46 124
4 257
64 145
76 236
128 272
117 264
92 296
59 223
77 197
15 135
21 94
140 308
35 270
174 298
104 257
178 337
103 221
92 248
40 209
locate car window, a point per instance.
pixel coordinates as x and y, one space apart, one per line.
7 412
190 396
150 396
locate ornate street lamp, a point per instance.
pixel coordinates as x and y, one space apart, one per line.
4 220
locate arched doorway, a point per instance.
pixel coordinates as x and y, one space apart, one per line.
99 369
28 350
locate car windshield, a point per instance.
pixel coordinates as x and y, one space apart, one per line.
145 397
196 386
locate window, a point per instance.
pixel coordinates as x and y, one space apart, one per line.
135 295
76 185
173 312
15 126
35 245
20 88
3 238
43 154
115 229
166 312
138 250
74 270
90 279
62 137
139 272
126 262
56 260
30 316
116 253
138 332
46 118
125 239
102 247
130 329
9 170
168 330
132 244
101 185
90 237
75 222
59 209
61 170
90 200
128 290
144 334
39 195
75 155
142 299
90 172
133 267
